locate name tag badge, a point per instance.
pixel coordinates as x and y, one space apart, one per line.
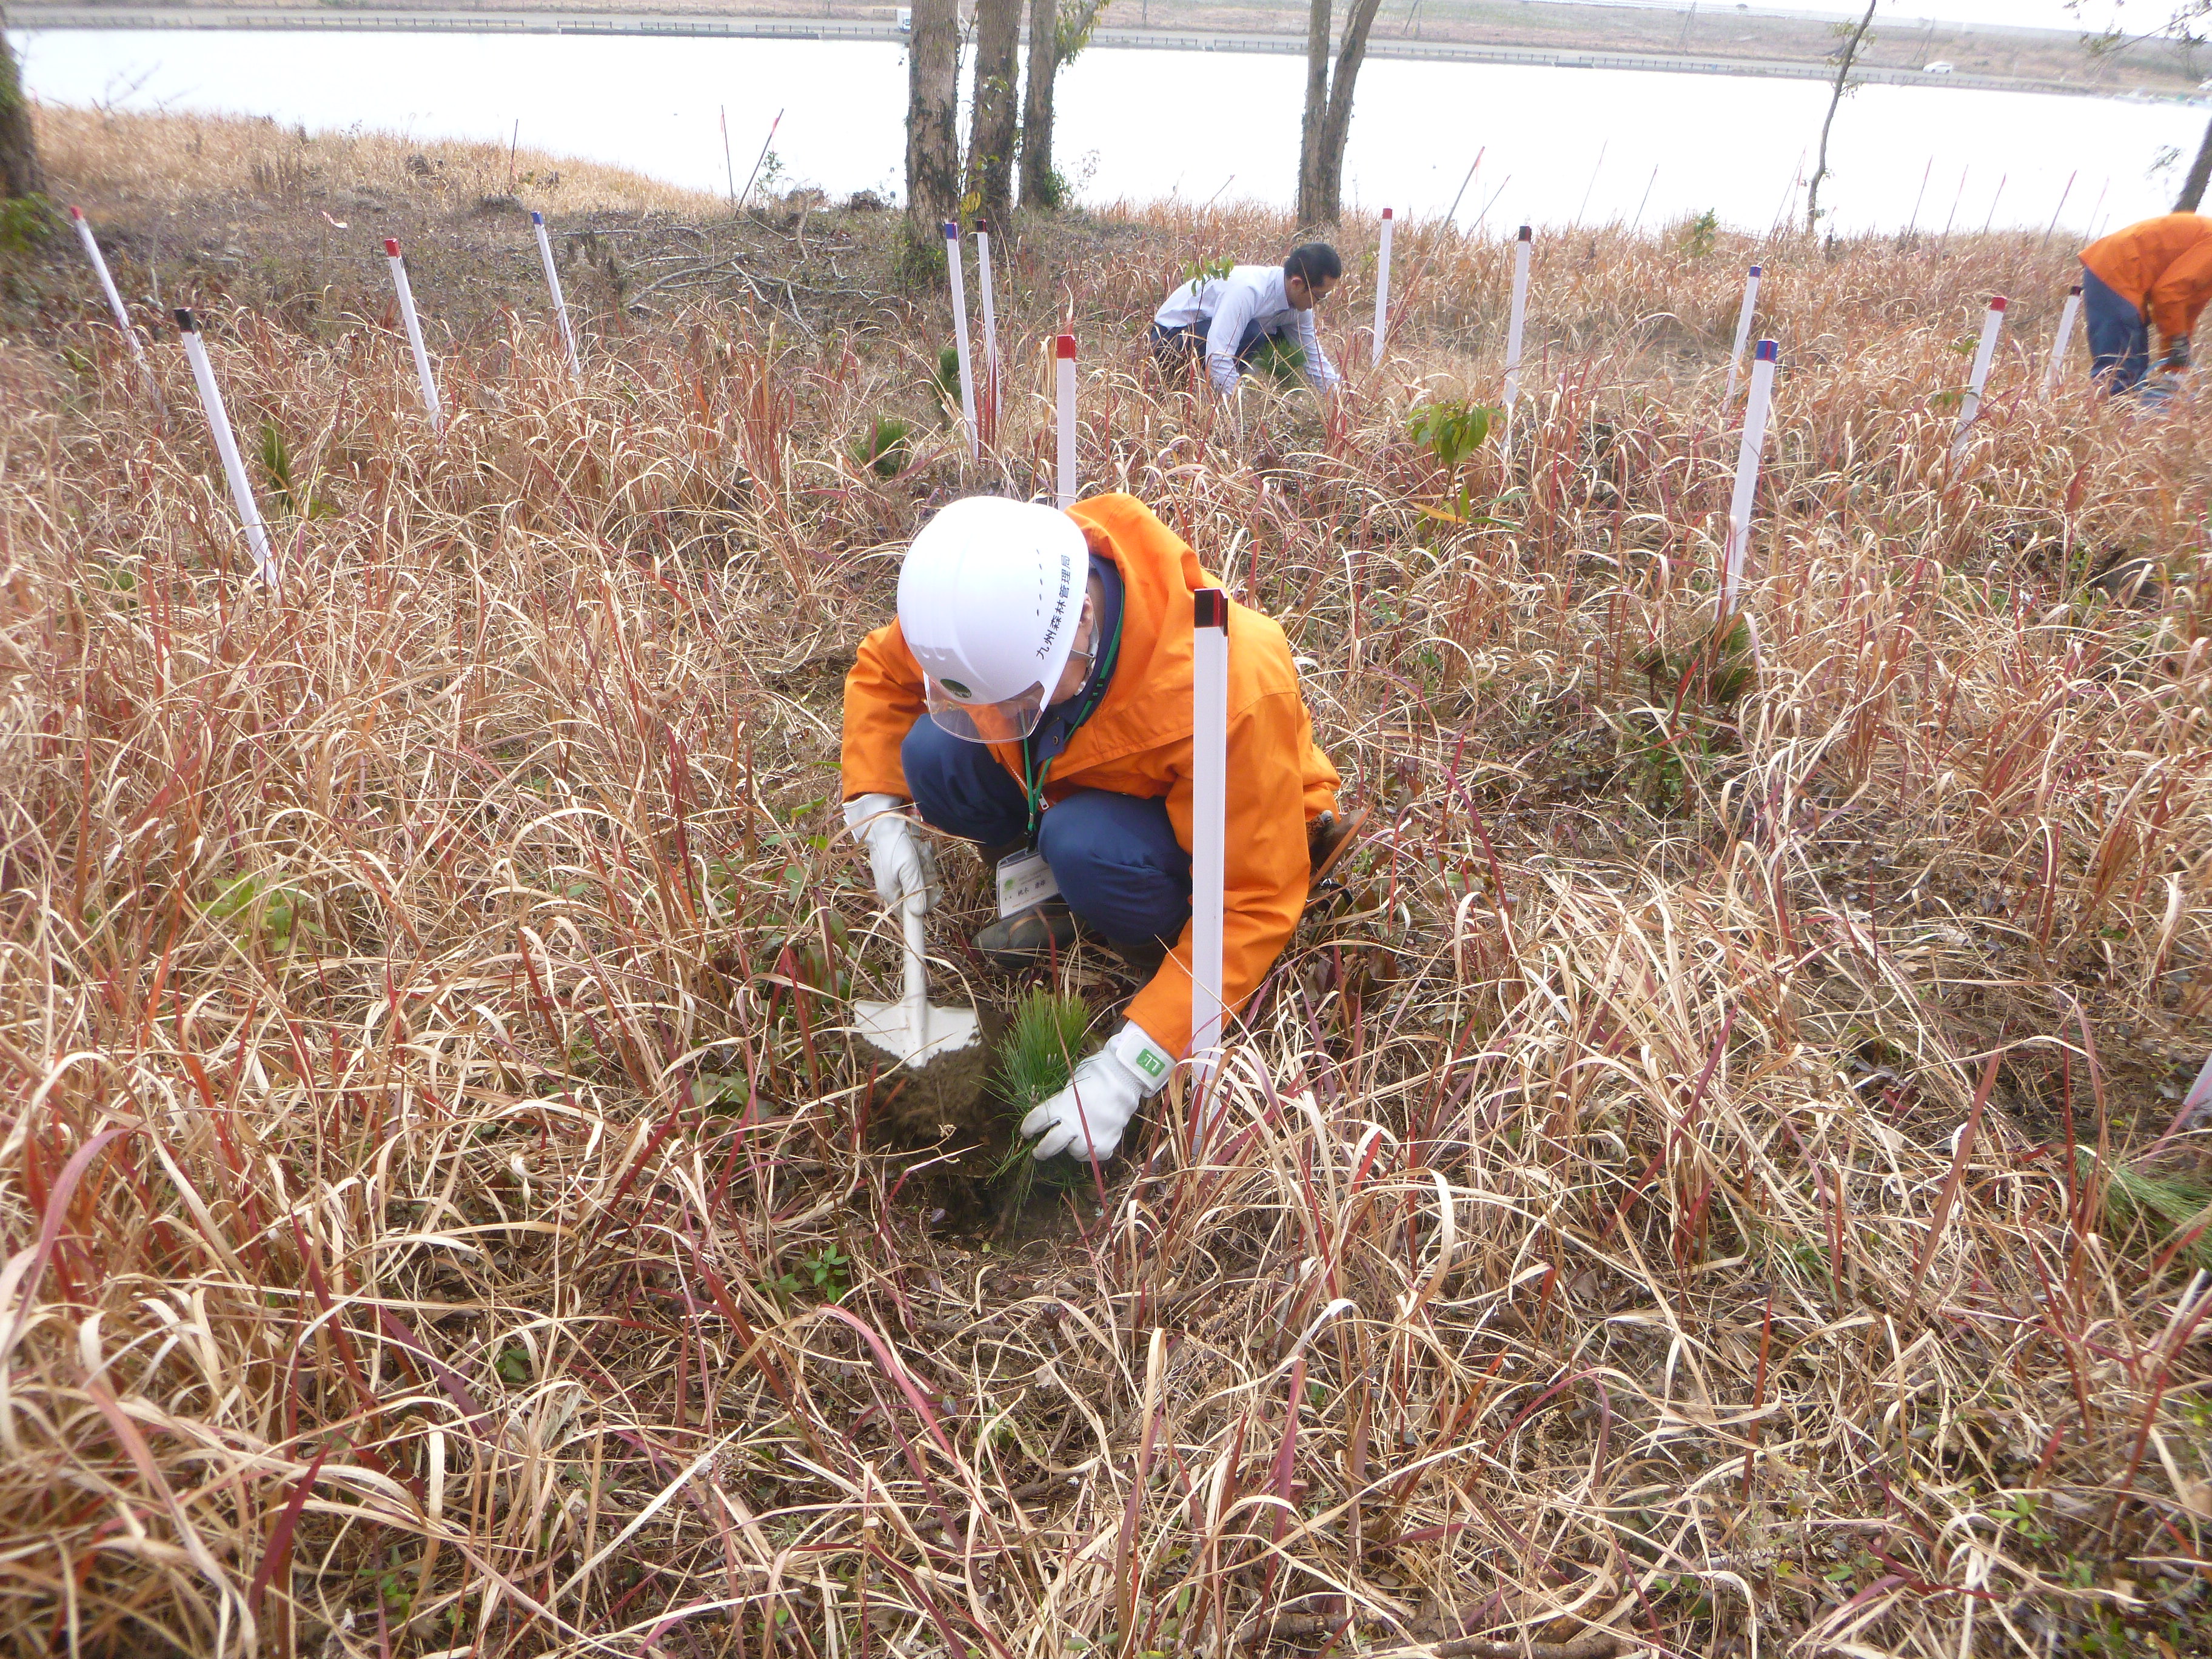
1024 880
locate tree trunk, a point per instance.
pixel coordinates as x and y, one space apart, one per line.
991 134
1336 125
932 138
1039 188
2192 187
1327 121
20 172
1317 112
1836 97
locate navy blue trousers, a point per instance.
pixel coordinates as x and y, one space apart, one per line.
1115 857
1175 347
2120 339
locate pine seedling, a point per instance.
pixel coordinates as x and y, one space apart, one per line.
1035 1058
884 447
2168 1207
947 380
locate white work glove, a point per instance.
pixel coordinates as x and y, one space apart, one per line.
1101 1097
895 852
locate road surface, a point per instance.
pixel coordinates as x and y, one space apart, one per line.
431 20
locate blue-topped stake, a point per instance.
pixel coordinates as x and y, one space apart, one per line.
960 333
115 306
553 282
1746 474
1522 246
226 447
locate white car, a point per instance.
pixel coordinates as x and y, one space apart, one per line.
905 20
1938 68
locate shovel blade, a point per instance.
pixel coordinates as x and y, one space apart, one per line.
889 1026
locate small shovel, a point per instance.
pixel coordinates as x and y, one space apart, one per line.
911 1028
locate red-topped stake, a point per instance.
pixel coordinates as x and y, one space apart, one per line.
988 403
2066 316
1064 370
1383 287
1971 405
414 334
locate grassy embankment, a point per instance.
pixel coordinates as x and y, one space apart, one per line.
1689 1191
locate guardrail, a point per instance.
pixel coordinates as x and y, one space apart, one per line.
350 19
391 20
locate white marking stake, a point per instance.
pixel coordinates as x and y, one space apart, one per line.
960 333
114 300
1520 311
1382 289
1747 473
1065 369
1209 806
990 332
2066 316
1992 321
414 335
226 445
553 282
1743 329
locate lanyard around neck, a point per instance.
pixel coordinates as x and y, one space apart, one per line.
1033 776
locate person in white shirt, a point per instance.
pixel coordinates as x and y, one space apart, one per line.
1226 317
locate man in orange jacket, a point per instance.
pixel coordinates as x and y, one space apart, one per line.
2158 273
1034 697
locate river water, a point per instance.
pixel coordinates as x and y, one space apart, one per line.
1558 146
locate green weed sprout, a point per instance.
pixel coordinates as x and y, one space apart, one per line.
1453 431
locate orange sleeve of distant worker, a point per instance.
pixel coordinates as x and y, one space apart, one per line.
2179 294
2162 266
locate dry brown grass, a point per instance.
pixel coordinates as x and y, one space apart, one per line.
174 159
1668 1202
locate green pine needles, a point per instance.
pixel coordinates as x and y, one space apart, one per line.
1035 1058
1038 1054
2173 1210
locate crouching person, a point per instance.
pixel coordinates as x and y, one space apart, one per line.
1034 697
1227 320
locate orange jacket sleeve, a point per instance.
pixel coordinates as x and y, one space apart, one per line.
1267 868
2179 294
883 700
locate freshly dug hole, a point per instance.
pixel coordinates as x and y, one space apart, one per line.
947 1100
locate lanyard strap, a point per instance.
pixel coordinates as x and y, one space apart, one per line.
1033 776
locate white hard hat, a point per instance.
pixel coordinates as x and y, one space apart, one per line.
990 598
